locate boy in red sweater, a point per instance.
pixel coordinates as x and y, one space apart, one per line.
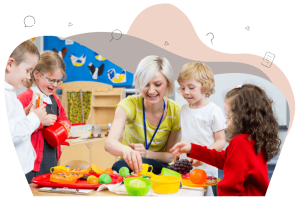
244 161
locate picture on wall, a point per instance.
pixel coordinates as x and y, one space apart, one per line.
83 64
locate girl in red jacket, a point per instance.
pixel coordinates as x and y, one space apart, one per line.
253 135
45 78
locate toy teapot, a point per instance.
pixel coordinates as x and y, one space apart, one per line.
56 134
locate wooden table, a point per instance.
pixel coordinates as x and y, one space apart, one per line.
35 191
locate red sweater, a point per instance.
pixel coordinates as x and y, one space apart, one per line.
245 173
37 138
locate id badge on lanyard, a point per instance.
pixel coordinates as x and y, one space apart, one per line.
145 127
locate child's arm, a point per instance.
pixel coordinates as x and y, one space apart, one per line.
238 164
21 129
219 141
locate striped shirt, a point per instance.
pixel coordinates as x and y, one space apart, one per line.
134 127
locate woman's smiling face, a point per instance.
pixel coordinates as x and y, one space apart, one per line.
156 88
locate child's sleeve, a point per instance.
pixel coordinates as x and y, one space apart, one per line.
129 106
21 129
239 166
218 120
209 156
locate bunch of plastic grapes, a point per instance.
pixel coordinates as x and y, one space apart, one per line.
182 166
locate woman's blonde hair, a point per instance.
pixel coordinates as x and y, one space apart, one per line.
148 67
201 72
49 62
20 51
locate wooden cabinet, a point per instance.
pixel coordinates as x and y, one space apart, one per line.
103 105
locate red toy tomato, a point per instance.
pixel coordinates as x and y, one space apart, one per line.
198 176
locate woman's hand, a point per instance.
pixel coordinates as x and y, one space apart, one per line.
50 119
196 163
140 148
133 159
179 148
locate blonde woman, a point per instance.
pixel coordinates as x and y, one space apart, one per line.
150 119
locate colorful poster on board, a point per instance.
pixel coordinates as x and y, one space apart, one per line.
83 64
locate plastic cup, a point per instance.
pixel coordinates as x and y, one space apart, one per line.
137 191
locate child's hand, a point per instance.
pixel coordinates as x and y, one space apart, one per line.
28 108
50 119
40 112
140 148
196 163
181 147
66 124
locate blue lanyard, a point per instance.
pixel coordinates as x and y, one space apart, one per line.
145 127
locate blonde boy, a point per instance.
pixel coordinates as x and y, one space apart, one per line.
202 122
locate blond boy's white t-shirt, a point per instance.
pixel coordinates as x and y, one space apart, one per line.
198 127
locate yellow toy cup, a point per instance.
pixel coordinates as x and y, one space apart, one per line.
145 169
55 168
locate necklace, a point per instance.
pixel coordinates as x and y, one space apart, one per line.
145 127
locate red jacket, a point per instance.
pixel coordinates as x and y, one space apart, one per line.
245 173
37 138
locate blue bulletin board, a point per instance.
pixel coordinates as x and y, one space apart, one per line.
83 64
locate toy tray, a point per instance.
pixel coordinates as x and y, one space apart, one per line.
43 180
188 182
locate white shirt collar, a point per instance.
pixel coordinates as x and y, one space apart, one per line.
45 97
8 86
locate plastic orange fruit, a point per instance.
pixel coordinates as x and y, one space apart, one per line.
89 177
198 176
108 171
93 180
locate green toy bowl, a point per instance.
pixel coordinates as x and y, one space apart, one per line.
137 191
166 171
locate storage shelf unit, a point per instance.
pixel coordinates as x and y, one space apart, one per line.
103 105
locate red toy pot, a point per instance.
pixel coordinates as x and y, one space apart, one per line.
56 134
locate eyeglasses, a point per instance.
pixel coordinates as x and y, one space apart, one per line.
52 81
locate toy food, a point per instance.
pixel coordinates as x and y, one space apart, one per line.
89 177
104 178
198 176
124 171
61 176
137 183
211 180
37 99
93 180
182 166
108 171
94 169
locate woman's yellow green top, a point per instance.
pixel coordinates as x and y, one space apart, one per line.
134 127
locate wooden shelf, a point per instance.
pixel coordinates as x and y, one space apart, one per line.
104 106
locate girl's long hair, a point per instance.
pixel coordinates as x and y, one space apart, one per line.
252 114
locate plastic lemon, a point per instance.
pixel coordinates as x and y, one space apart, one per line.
104 178
137 183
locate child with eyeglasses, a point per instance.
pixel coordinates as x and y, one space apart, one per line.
45 78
